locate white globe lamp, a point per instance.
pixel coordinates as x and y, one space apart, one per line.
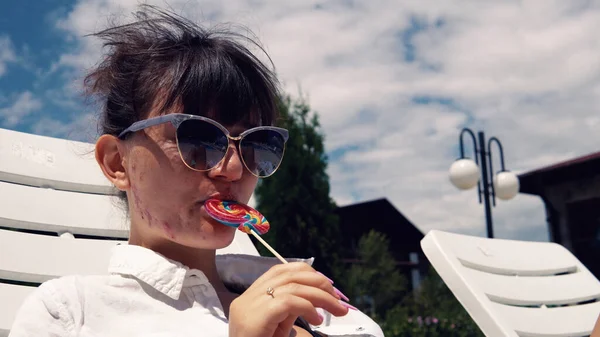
464 174
506 185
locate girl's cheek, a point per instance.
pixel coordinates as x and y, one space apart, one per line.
172 153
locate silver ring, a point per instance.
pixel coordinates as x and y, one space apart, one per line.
270 291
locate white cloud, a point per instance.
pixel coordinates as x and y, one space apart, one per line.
528 73
23 104
7 53
81 127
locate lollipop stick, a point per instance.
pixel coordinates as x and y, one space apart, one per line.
268 246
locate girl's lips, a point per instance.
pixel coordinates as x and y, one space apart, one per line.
221 196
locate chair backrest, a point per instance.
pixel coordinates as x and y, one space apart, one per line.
516 288
58 216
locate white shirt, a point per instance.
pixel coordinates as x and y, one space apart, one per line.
146 294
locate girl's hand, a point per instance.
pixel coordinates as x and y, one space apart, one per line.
276 299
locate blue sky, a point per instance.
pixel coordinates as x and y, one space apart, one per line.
37 44
393 82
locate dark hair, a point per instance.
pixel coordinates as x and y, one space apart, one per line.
163 61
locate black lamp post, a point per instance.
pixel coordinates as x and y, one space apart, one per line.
466 173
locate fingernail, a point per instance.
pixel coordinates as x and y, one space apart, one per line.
330 280
321 317
349 306
336 295
344 297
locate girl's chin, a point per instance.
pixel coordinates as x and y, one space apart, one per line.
207 234
217 239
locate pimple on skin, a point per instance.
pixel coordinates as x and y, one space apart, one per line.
149 216
136 199
144 213
168 229
133 170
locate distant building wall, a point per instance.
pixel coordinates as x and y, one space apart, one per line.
571 193
558 199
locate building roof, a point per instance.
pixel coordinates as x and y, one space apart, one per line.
382 216
579 168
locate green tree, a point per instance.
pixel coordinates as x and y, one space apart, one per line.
375 283
296 198
430 311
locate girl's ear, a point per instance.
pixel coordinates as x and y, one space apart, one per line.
111 156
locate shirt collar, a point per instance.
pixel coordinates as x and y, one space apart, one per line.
169 277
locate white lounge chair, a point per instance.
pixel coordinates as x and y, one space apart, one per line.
54 193
516 288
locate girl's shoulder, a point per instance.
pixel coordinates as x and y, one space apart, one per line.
55 305
67 292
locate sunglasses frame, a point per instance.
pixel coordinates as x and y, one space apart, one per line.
176 119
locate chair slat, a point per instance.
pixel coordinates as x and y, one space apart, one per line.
37 258
50 162
537 290
27 207
12 297
570 321
510 257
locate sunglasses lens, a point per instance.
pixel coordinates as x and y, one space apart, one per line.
262 151
202 145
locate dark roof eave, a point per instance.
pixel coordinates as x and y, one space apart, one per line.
535 182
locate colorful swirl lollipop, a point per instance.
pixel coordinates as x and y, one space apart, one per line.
234 214
243 217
